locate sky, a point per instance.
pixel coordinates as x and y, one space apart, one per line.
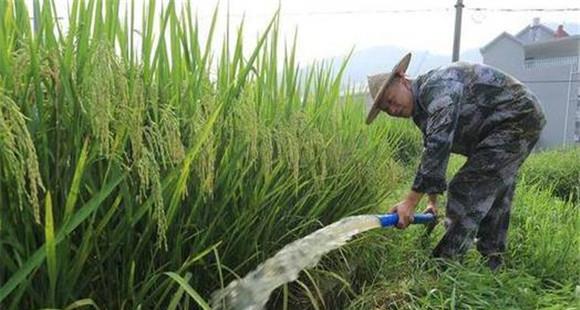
328 28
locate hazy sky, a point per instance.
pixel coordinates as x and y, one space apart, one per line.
331 27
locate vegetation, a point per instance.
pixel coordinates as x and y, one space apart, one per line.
126 156
557 169
139 169
541 265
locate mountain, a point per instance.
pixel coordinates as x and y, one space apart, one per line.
382 59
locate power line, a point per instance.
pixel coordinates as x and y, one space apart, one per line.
390 11
524 10
429 10
549 81
355 12
410 11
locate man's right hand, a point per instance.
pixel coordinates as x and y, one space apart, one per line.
406 209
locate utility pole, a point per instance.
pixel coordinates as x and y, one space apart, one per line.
457 36
36 15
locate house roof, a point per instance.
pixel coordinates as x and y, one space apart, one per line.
569 45
539 26
499 38
566 46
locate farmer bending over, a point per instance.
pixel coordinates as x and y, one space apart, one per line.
477 111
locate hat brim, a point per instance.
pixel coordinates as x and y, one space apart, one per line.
373 114
400 67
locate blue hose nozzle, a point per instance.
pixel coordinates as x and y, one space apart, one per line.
392 219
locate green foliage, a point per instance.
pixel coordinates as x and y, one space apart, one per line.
410 146
558 169
138 169
410 140
540 271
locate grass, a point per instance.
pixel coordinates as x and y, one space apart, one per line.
541 265
141 169
557 169
393 270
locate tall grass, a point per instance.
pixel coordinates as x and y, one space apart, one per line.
145 170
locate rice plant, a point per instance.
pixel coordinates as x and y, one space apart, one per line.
143 169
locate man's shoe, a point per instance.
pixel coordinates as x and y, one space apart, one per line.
494 262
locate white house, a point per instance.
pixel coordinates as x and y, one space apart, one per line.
548 62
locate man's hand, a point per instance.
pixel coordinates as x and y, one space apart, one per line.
406 209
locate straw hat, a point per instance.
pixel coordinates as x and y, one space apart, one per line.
380 82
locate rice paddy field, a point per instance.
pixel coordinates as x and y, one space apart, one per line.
144 170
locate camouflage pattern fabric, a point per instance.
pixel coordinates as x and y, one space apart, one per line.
495 121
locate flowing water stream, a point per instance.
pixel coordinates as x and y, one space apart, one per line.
252 292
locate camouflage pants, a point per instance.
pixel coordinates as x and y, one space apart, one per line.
480 194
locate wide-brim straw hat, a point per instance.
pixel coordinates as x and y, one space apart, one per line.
378 83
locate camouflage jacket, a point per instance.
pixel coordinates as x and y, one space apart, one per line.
456 107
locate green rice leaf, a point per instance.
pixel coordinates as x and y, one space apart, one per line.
190 291
82 303
73 194
38 257
50 245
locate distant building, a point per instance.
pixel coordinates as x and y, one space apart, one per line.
547 61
